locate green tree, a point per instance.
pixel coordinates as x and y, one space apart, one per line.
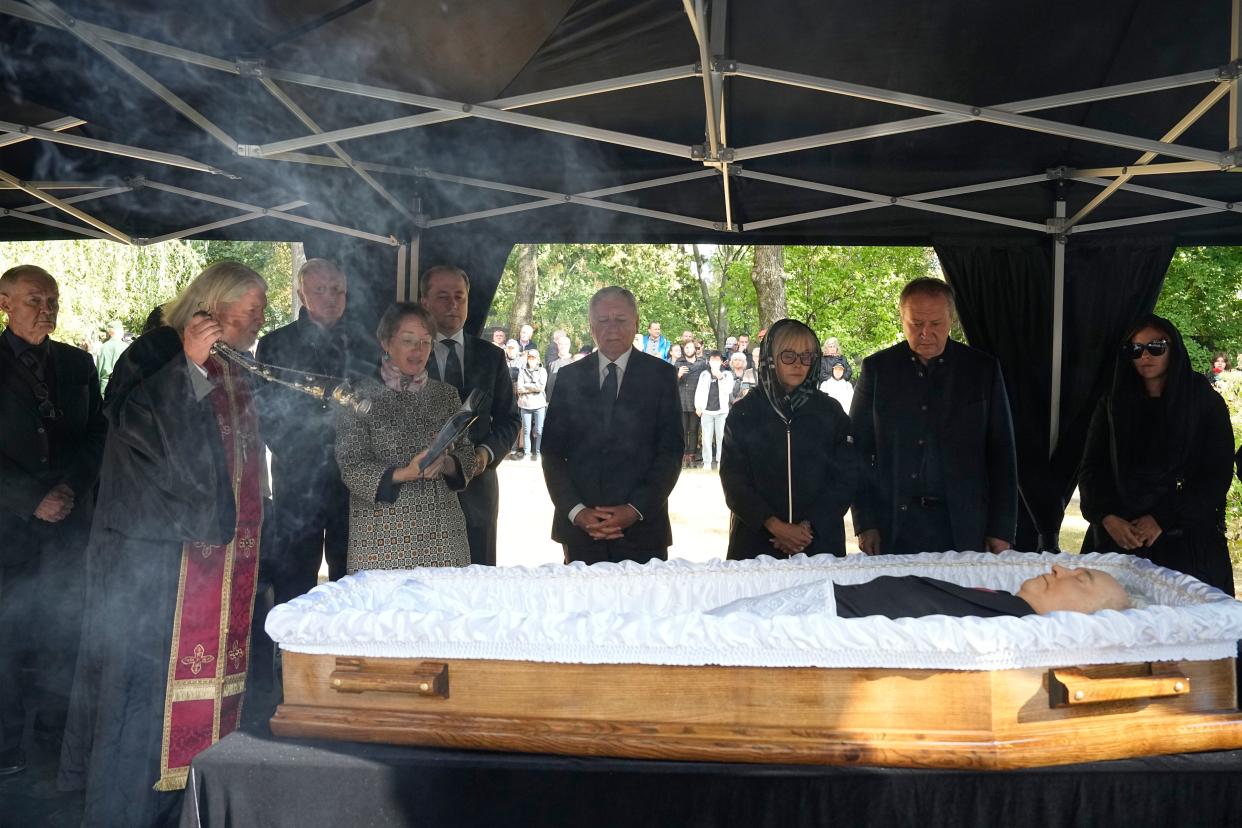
1202 296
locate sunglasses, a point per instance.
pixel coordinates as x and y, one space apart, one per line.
1156 347
790 357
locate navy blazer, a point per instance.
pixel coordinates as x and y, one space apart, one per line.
36 456
636 460
975 431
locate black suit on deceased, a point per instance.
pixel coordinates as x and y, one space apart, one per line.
40 562
310 501
484 368
635 459
960 405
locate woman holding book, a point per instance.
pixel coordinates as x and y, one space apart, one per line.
400 515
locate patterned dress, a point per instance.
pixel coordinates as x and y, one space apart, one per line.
425 526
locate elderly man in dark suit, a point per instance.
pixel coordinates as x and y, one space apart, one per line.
54 432
468 363
612 443
931 422
310 501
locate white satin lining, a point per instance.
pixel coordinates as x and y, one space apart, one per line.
656 613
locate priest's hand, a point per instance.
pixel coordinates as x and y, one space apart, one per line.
869 541
790 538
199 335
995 545
1122 532
56 504
1147 530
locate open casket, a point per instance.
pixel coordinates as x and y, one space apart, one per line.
624 660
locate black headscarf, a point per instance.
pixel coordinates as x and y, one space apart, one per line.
786 404
1125 404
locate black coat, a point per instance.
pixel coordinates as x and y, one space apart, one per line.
755 475
972 422
36 456
1191 509
637 460
299 429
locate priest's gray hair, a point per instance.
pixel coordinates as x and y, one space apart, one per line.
220 284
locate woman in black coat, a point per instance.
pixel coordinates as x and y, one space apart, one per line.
788 466
1157 461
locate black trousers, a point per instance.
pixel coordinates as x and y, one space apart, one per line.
41 603
307 531
690 428
615 552
480 502
922 529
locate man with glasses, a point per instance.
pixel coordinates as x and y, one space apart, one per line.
932 425
54 430
311 504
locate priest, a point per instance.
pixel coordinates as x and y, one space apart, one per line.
172 558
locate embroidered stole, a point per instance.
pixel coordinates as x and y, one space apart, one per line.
215 599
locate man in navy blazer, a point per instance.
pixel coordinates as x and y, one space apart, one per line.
468 364
931 422
50 452
612 443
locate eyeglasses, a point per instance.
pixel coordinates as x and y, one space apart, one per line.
1156 347
790 357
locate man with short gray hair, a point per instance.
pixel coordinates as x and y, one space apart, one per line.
311 504
52 447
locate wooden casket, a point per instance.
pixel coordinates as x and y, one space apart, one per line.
626 660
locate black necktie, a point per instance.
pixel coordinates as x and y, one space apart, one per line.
31 359
452 365
609 391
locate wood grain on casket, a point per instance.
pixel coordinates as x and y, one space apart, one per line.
903 718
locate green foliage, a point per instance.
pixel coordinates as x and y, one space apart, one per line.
1230 386
1202 296
101 281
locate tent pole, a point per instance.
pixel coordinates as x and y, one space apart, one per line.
1058 325
123 150
77 199
228 222
59 125
1170 168
61 225
402 292
1235 47
1148 219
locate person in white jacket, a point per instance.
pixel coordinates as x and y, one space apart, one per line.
838 387
711 403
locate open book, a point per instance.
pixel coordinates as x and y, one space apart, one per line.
452 430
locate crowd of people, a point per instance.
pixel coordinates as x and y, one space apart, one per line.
140 523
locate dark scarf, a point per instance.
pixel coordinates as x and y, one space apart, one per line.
786 404
1180 400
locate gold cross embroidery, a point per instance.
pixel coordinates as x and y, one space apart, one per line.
235 654
198 659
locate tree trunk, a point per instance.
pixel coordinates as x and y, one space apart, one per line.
705 277
768 274
524 291
298 255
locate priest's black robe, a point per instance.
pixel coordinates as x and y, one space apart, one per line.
164 482
914 596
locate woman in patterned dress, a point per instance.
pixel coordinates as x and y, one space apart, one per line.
399 517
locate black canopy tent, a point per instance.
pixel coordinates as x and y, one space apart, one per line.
1053 153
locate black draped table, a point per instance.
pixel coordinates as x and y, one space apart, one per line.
247 780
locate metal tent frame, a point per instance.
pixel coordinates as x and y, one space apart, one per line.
713 158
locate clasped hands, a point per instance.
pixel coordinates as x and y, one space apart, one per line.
790 538
1131 534
606 522
56 504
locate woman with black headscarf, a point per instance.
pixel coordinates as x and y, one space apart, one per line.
1157 462
788 465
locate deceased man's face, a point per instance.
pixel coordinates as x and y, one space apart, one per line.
1073 590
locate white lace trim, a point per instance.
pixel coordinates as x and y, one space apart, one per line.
656 613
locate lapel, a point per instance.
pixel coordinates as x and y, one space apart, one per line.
630 383
15 386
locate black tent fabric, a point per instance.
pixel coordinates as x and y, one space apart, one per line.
1005 298
912 122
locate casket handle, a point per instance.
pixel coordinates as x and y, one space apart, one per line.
1072 686
359 675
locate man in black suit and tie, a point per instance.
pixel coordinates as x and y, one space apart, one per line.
469 363
53 434
612 443
931 422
